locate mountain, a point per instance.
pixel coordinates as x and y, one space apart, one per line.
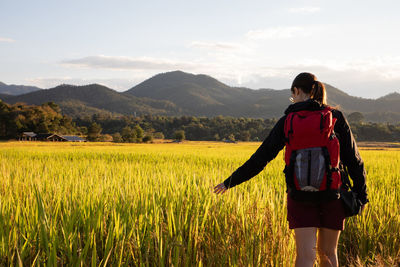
202 95
178 93
383 109
206 96
95 98
16 89
391 97
4 97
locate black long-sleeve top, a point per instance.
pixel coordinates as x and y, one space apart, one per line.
349 154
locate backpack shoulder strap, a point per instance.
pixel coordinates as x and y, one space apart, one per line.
288 129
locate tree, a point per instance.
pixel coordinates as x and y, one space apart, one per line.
245 136
128 135
83 130
53 105
139 133
147 138
179 135
231 137
4 114
94 131
106 138
158 135
355 117
117 138
42 128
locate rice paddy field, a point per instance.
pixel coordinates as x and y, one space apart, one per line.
103 204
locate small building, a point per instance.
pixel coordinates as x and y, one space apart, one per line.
45 137
73 138
28 136
31 136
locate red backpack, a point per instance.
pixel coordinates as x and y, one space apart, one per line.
312 155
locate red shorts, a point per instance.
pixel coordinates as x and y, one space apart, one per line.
321 215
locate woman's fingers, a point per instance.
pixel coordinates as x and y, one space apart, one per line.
217 189
220 189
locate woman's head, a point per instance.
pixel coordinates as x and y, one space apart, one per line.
308 84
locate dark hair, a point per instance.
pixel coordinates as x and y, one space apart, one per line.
308 83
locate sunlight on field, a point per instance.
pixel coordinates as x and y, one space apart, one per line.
152 204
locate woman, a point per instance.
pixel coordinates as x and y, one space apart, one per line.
305 217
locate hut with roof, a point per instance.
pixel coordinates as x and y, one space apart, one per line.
73 138
28 136
31 136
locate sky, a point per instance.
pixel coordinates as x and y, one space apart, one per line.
352 45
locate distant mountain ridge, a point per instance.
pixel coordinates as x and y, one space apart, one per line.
391 96
218 98
202 95
13 89
94 98
178 93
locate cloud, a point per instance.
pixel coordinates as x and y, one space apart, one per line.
277 33
304 10
6 40
214 45
127 63
352 77
368 82
365 77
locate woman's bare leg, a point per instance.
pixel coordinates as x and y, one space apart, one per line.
327 247
306 239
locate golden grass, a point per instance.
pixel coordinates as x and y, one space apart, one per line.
152 204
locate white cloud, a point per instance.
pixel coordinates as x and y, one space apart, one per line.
127 63
366 77
277 33
214 45
371 82
304 10
6 40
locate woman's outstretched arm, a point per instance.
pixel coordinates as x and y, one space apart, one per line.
264 154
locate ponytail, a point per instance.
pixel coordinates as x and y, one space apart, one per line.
318 92
309 84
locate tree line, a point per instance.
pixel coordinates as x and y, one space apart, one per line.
221 128
18 118
185 127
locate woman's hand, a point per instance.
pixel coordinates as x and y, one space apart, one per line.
220 189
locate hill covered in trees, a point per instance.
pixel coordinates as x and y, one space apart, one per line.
77 101
202 95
